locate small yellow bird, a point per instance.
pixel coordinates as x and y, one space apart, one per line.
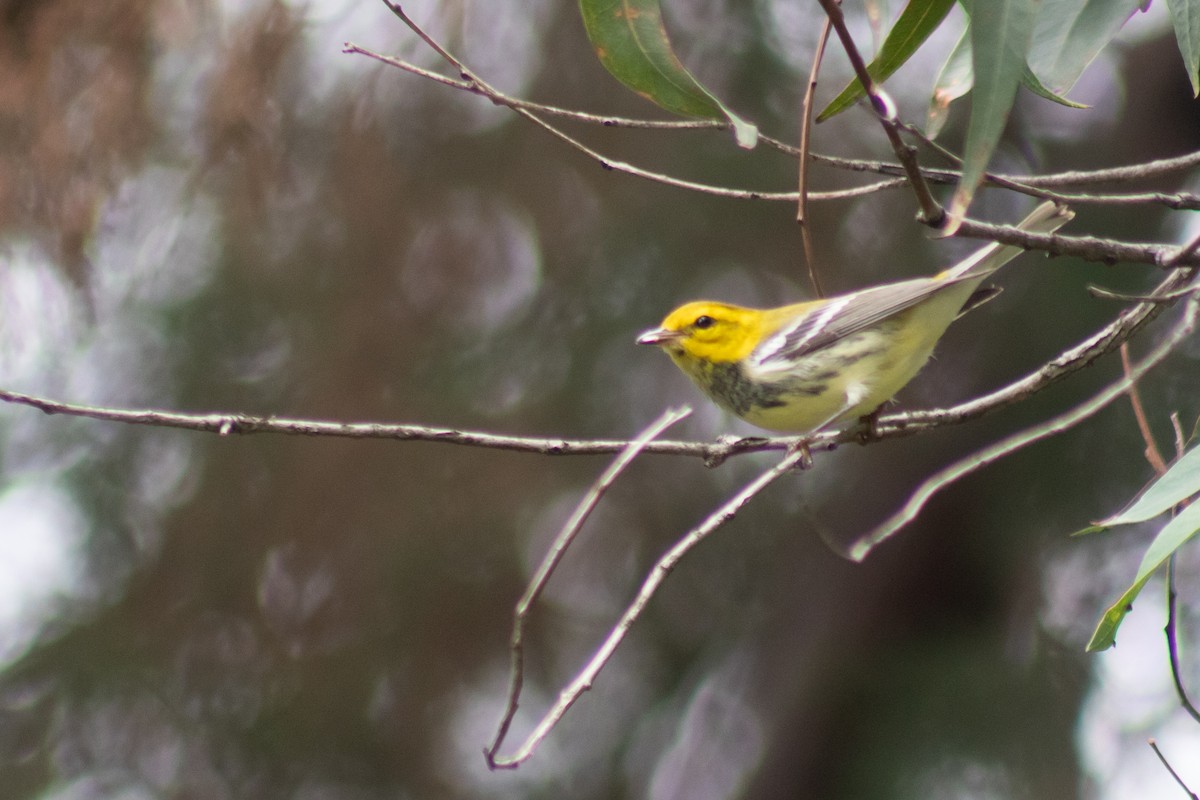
804 367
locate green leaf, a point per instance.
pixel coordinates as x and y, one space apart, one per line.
1185 16
1178 483
1069 34
1173 536
631 42
916 22
1000 33
1031 82
953 81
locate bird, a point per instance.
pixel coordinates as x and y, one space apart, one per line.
805 367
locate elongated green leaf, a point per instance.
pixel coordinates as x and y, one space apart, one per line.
953 81
1069 34
956 78
1178 483
1031 82
1000 33
631 42
1173 536
1185 16
918 19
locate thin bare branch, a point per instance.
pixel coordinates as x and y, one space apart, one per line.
1154 746
1033 186
1010 444
1183 253
1038 185
806 112
587 676
713 453
555 554
1173 642
527 109
1131 172
234 423
1089 248
1152 454
1124 297
1180 439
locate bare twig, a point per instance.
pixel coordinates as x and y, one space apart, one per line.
806 111
557 550
1139 412
1125 297
1037 185
1180 439
1154 746
528 109
1089 248
1132 172
1173 642
1179 256
587 676
948 475
1040 185
232 423
1030 185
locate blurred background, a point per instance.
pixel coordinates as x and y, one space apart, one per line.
207 206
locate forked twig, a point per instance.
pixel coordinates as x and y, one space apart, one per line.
552 558
584 679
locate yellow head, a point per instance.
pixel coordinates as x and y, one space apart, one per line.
708 331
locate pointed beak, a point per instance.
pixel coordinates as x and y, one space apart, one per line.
659 336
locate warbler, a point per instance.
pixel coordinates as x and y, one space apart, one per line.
804 367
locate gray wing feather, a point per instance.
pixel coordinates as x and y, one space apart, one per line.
847 315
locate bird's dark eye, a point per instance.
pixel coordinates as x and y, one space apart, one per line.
704 321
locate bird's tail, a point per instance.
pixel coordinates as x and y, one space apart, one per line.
1046 218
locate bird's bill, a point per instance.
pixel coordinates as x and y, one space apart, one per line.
659 336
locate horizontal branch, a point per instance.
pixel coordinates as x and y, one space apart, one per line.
1085 353
1088 248
239 424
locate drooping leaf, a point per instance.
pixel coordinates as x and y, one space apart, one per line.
953 81
1185 16
1000 33
1031 82
916 22
1178 483
631 42
1173 536
956 78
1069 34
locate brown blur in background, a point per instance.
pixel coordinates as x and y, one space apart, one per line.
208 206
